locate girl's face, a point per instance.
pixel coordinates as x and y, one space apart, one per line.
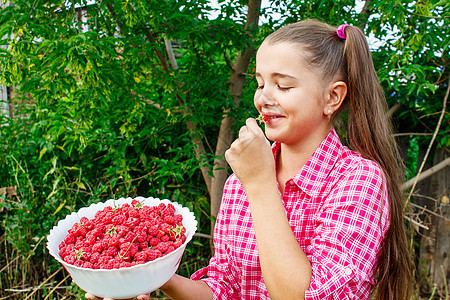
290 94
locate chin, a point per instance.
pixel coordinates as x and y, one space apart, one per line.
273 137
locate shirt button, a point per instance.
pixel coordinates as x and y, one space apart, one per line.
348 271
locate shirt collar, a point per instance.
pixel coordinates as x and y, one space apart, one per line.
312 176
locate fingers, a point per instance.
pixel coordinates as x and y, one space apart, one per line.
89 296
250 127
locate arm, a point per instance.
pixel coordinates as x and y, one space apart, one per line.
183 288
177 287
284 265
351 222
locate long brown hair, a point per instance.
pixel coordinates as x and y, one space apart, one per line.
369 130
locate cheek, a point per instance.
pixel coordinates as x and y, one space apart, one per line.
257 100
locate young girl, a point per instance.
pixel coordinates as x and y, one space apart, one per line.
306 217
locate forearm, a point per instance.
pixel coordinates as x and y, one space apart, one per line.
285 267
183 288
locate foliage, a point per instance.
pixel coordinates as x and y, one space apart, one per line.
99 111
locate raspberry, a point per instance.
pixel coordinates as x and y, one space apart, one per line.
70 248
99 216
123 236
62 252
125 264
105 242
154 241
161 207
90 238
88 265
101 228
111 251
86 254
157 253
166 228
132 222
163 246
140 256
70 259
133 213
169 219
80 244
94 257
143 245
130 237
113 242
107 219
178 243
142 236
106 266
153 231
81 231
151 254
170 248
104 259
89 225
62 245
79 263
128 249
119 219
69 239
262 118
122 230
179 219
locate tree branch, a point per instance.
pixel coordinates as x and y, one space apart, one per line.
393 109
444 106
199 149
426 174
237 79
365 14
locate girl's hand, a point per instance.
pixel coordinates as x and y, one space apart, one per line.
138 297
250 155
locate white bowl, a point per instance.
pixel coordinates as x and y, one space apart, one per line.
124 282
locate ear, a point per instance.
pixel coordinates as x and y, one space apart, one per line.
336 96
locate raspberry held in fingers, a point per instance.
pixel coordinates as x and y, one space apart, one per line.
262 118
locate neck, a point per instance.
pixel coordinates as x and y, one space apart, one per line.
293 157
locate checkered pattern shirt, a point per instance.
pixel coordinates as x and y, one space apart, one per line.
338 211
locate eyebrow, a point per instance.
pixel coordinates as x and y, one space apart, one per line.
278 75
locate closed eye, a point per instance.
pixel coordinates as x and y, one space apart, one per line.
283 89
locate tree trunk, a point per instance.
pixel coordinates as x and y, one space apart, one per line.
434 264
237 78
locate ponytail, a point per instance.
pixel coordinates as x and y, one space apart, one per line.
347 57
370 134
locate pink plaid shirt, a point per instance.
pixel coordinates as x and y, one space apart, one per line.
338 211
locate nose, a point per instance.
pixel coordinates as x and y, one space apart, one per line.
263 98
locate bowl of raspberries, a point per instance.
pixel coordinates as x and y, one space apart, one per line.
125 247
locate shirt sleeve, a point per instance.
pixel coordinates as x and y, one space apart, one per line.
350 227
218 271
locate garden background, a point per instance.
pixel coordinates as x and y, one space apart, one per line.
107 99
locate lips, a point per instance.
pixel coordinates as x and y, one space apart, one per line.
268 117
